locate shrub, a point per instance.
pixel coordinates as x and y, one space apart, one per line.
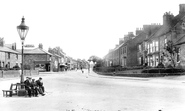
16 68
163 70
27 67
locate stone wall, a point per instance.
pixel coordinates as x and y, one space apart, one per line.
16 73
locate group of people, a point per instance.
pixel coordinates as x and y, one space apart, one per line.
34 87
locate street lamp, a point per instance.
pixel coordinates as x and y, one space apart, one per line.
22 30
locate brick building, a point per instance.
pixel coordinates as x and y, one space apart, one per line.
126 53
37 59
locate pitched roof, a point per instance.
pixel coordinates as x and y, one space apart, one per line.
6 49
177 19
56 55
37 51
158 32
25 50
181 40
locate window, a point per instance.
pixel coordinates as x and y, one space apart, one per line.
8 55
157 60
178 55
151 48
3 64
139 47
148 48
139 59
165 42
148 61
151 61
157 45
154 61
183 25
8 64
17 56
145 47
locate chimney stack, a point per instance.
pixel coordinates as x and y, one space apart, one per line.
181 8
40 46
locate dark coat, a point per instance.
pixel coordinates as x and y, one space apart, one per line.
40 84
27 84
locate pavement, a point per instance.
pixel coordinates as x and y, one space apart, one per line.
76 91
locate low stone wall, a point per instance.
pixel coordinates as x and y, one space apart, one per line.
16 73
137 74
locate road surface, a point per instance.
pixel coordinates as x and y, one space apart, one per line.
76 91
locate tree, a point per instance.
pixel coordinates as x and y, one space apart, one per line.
50 50
94 58
171 51
57 50
97 60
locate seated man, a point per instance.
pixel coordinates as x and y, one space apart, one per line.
40 86
27 83
34 88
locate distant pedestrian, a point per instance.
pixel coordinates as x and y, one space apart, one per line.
88 68
82 70
114 73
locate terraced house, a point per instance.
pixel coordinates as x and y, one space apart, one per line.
8 57
130 51
147 47
171 30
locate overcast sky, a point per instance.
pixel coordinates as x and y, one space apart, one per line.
80 27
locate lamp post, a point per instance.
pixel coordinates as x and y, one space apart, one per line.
22 30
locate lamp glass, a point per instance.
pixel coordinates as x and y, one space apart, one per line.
22 30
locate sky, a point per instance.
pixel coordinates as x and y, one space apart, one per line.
82 28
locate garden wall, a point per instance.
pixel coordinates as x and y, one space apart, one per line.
16 73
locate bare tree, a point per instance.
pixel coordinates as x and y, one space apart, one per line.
171 51
56 50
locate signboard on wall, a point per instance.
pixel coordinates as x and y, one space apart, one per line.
29 46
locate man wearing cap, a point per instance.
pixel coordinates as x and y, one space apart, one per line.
34 88
27 83
40 86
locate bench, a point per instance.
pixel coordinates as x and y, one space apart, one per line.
15 89
7 93
11 91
